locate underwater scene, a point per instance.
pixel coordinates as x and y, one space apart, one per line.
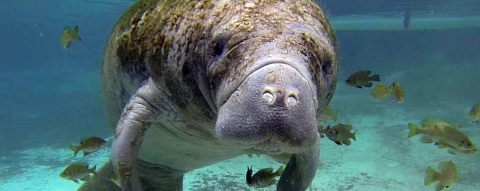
240 95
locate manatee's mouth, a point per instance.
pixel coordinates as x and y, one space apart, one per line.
271 112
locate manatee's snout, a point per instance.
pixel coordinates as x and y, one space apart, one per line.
273 110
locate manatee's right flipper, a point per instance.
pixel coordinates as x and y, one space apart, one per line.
101 182
143 107
300 170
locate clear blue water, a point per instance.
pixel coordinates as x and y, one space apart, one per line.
50 96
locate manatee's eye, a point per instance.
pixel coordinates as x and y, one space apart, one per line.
447 186
218 49
219 44
327 65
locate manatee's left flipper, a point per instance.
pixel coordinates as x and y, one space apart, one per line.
137 115
300 170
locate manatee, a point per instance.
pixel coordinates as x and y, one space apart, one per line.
190 83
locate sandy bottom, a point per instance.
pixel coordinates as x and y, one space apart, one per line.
378 161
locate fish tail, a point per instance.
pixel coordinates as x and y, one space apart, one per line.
74 33
375 77
430 176
75 149
413 130
279 171
353 135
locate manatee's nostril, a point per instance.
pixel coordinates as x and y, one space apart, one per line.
291 101
268 96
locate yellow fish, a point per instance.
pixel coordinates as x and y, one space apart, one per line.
397 92
340 134
380 92
328 113
362 78
67 35
446 177
87 145
78 171
263 178
448 137
474 113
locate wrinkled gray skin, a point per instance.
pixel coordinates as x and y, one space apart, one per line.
192 83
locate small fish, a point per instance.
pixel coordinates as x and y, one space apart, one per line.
328 113
449 137
475 113
406 18
380 92
340 134
446 177
88 145
67 35
78 171
263 178
397 92
362 78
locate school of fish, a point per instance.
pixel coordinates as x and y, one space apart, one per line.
437 132
432 131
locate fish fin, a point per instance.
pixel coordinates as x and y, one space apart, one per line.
74 33
439 187
426 140
413 130
353 135
359 87
67 45
248 176
272 182
375 77
76 181
347 142
74 148
338 142
437 131
442 146
366 72
369 84
280 170
430 176
452 151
